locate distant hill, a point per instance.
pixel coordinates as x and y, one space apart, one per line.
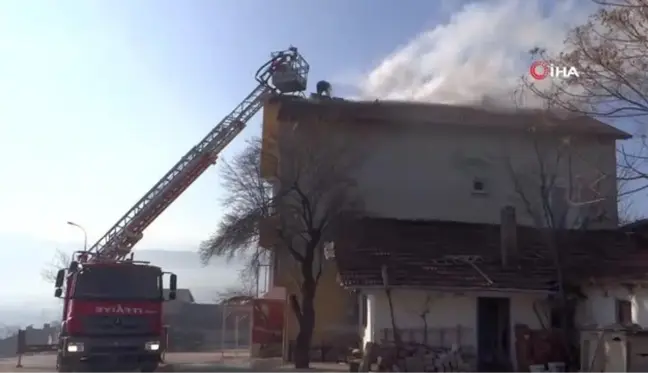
170 258
204 281
26 313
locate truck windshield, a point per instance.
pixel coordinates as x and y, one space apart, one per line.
118 282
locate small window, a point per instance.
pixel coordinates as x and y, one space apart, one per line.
623 312
479 186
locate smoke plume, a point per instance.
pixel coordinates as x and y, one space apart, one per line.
477 56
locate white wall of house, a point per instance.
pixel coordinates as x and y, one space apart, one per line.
414 171
599 308
447 310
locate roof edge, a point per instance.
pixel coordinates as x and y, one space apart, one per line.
450 288
295 102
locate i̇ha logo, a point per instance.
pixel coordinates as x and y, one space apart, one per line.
539 70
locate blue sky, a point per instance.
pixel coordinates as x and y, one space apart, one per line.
98 99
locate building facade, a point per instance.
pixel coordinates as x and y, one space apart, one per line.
428 162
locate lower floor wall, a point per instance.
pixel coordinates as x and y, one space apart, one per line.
451 317
599 307
336 315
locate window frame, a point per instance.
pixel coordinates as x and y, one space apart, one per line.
623 314
479 180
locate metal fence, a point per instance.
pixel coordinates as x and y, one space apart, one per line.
446 349
438 337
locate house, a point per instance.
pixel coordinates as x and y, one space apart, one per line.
173 307
455 163
463 283
33 336
432 162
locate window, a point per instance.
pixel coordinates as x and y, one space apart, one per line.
623 312
479 186
114 282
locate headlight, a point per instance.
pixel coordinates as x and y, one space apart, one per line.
75 347
152 346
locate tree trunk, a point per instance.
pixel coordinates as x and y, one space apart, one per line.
425 329
566 331
306 327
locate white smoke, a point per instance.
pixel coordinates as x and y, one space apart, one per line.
478 56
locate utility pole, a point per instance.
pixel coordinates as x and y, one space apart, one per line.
85 234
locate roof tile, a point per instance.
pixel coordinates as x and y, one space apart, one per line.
438 254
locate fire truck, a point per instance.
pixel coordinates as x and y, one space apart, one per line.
112 304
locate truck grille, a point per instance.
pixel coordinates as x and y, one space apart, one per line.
117 325
114 349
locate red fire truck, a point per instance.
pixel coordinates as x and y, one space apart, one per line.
112 313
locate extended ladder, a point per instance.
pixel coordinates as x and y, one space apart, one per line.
285 73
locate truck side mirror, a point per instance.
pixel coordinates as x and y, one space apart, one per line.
60 277
58 292
74 266
173 286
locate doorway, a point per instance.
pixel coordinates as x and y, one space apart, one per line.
493 334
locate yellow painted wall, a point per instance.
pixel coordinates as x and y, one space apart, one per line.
334 306
269 133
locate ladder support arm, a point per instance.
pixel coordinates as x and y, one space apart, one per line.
120 239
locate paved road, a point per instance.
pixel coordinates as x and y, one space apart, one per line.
193 361
212 362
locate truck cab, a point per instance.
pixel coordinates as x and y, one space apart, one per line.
112 315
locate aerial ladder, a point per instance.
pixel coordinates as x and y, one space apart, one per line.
286 73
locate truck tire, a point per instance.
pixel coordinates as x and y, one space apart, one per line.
63 368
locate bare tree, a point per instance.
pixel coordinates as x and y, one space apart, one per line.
8 330
424 312
246 287
610 53
628 213
560 188
398 340
60 260
302 208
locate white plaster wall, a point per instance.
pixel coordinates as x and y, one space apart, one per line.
599 309
427 171
447 310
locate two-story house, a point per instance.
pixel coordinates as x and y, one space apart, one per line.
434 181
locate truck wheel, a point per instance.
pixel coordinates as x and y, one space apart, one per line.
148 367
62 368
